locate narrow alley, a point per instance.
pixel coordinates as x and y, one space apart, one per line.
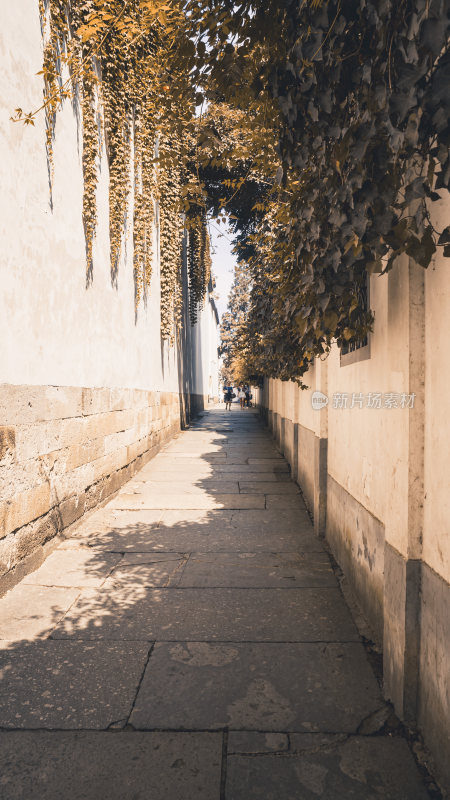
189 641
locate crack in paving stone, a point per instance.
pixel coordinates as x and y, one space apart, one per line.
178 573
338 739
118 724
224 764
140 683
141 563
59 621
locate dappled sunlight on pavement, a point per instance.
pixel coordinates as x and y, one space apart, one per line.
194 626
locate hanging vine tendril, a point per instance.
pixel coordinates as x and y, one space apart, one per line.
199 263
114 58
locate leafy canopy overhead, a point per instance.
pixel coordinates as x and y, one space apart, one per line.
362 97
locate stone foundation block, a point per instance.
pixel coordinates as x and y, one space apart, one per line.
24 507
64 450
26 405
7 442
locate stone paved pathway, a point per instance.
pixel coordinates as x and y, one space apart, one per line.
190 642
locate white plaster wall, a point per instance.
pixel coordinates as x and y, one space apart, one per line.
369 450
289 389
367 447
307 416
295 403
213 343
276 396
53 329
205 335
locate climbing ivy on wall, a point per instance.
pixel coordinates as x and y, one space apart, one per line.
110 58
171 235
199 263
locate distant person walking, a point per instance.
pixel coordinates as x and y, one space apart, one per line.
228 397
241 395
248 396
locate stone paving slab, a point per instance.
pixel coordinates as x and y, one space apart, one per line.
251 438
184 459
284 501
272 461
252 442
186 486
258 570
241 519
205 618
106 519
252 447
268 487
279 468
214 476
66 685
257 477
276 520
251 450
176 501
171 614
214 538
194 685
358 768
195 434
132 559
242 531
255 742
76 569
163 464
44 765
188 460
203 473
207 450
267 461
144 570
28 612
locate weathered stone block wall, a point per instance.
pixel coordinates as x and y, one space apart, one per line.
64 450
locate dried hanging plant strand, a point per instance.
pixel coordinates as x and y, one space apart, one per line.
199 262
171 235
115 53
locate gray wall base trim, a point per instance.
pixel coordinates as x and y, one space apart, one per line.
320 485
356 538
307 456
434 688
401 640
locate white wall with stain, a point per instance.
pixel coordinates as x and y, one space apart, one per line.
54 329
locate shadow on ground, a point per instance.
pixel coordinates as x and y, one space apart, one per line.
190 641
